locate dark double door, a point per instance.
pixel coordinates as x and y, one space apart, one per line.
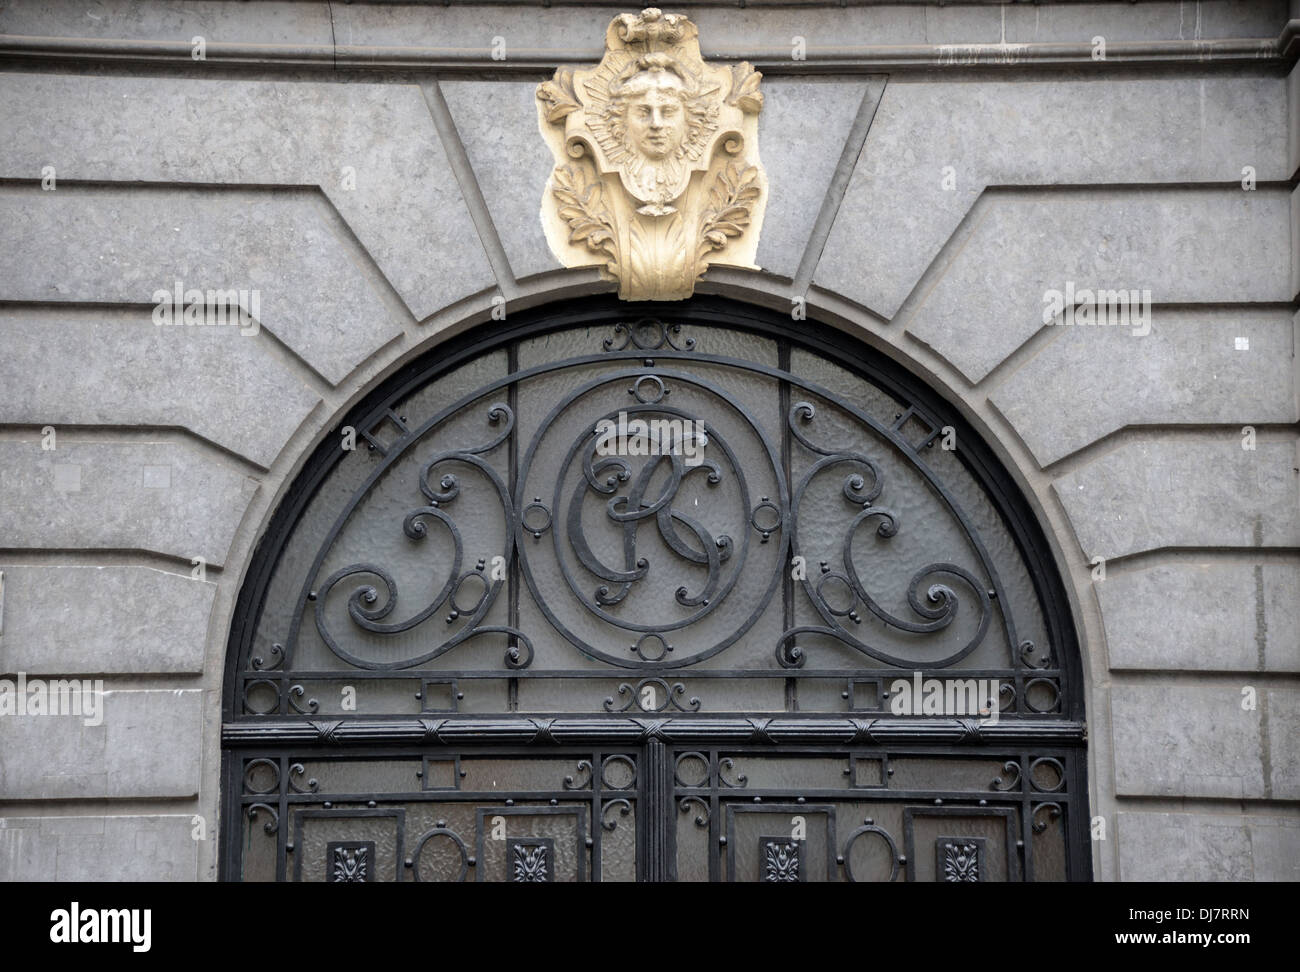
660 811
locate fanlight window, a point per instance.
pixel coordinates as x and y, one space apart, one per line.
699 596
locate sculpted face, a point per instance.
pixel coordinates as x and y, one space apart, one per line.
656 114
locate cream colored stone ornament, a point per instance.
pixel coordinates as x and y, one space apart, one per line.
657 172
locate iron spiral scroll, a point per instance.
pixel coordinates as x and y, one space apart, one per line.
598 513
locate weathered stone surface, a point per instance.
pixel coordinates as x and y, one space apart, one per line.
157 847
218 383
1081 22
1181 245
1200 490
1295 235
1293 133
92 620
1284 743
497 123
562 28
123 245
1207 847
1233 617
149 744
1186 739
217 21
1194 367
802 131
406 208
1275 848
91 495
897 215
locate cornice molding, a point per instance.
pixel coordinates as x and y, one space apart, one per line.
1283 50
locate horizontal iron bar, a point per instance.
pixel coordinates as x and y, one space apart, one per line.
572 729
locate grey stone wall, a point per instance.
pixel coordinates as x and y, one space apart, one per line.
934 170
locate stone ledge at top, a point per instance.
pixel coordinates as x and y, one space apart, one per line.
771 23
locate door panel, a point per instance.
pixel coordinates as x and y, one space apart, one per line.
724 814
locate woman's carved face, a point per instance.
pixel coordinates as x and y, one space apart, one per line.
656 114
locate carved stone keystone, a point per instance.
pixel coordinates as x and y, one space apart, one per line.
657 172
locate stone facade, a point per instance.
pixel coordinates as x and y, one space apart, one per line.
375 172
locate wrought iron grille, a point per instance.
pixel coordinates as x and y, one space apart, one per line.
711 595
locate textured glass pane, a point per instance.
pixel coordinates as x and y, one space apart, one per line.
793 773
781 843
941 854
908 773
1049 844
618 841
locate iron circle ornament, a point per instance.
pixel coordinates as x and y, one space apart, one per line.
640 496
440 831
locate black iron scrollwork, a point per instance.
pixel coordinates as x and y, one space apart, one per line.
369 611
608 515
938 606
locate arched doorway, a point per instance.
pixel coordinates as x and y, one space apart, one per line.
704 595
